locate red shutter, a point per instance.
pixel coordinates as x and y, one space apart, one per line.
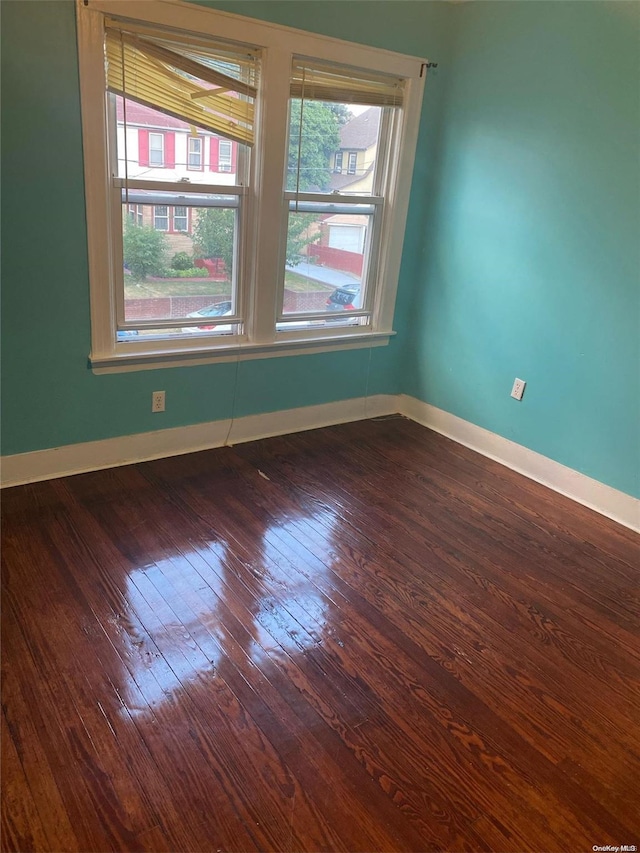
170 150
234 156
214 154
143 147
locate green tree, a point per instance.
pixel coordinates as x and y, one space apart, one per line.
342 113
144 250
299 236
213 235
320 140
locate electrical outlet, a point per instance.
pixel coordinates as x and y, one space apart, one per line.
157 401
518 389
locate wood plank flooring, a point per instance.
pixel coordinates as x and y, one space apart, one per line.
361 638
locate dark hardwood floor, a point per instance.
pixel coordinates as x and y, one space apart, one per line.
362 638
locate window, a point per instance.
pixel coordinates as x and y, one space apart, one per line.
180 218
194 152
156 149
276 233
224 155
136 215
165 218
160 218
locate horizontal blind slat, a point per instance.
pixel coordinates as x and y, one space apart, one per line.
141 72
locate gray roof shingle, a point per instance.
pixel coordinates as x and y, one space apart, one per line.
362 131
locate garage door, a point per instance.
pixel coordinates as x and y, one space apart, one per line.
349 238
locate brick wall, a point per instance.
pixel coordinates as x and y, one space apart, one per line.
312 300
167 307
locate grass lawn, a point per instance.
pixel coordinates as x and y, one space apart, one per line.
134 289
300 284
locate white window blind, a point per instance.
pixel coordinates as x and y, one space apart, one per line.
319 82
207 87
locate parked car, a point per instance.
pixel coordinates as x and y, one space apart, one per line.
127 334
220 309
346 298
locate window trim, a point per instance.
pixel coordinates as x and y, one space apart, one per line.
187 216
170 217
136 215
261 227
352 159
200 139
224 167
167 216
162 163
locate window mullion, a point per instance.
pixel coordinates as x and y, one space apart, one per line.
271 157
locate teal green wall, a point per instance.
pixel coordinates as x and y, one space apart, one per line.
521 256
533 257
50 396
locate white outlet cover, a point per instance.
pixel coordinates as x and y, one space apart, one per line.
518 388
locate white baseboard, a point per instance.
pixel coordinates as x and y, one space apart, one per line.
125 450
70 459
606 500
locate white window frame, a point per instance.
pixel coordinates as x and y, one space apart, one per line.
160 136
186 218
264 203
136 214
225 162
352 163
200 152
338 162
156 217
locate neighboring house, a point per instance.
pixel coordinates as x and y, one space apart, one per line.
342 238
353 162
341 243
164 148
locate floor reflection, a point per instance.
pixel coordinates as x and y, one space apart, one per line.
186 617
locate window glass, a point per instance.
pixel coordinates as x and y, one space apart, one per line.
195 152
224 155
156 149
180 219
179 252
326 254
315 139
172 156
160 218
173 271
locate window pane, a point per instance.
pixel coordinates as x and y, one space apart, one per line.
156 149
169 274
195 152
331 137
180 219
160 218
224 155
325 262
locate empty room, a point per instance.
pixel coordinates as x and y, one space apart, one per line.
320 426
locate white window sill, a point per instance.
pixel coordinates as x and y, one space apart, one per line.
133 360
